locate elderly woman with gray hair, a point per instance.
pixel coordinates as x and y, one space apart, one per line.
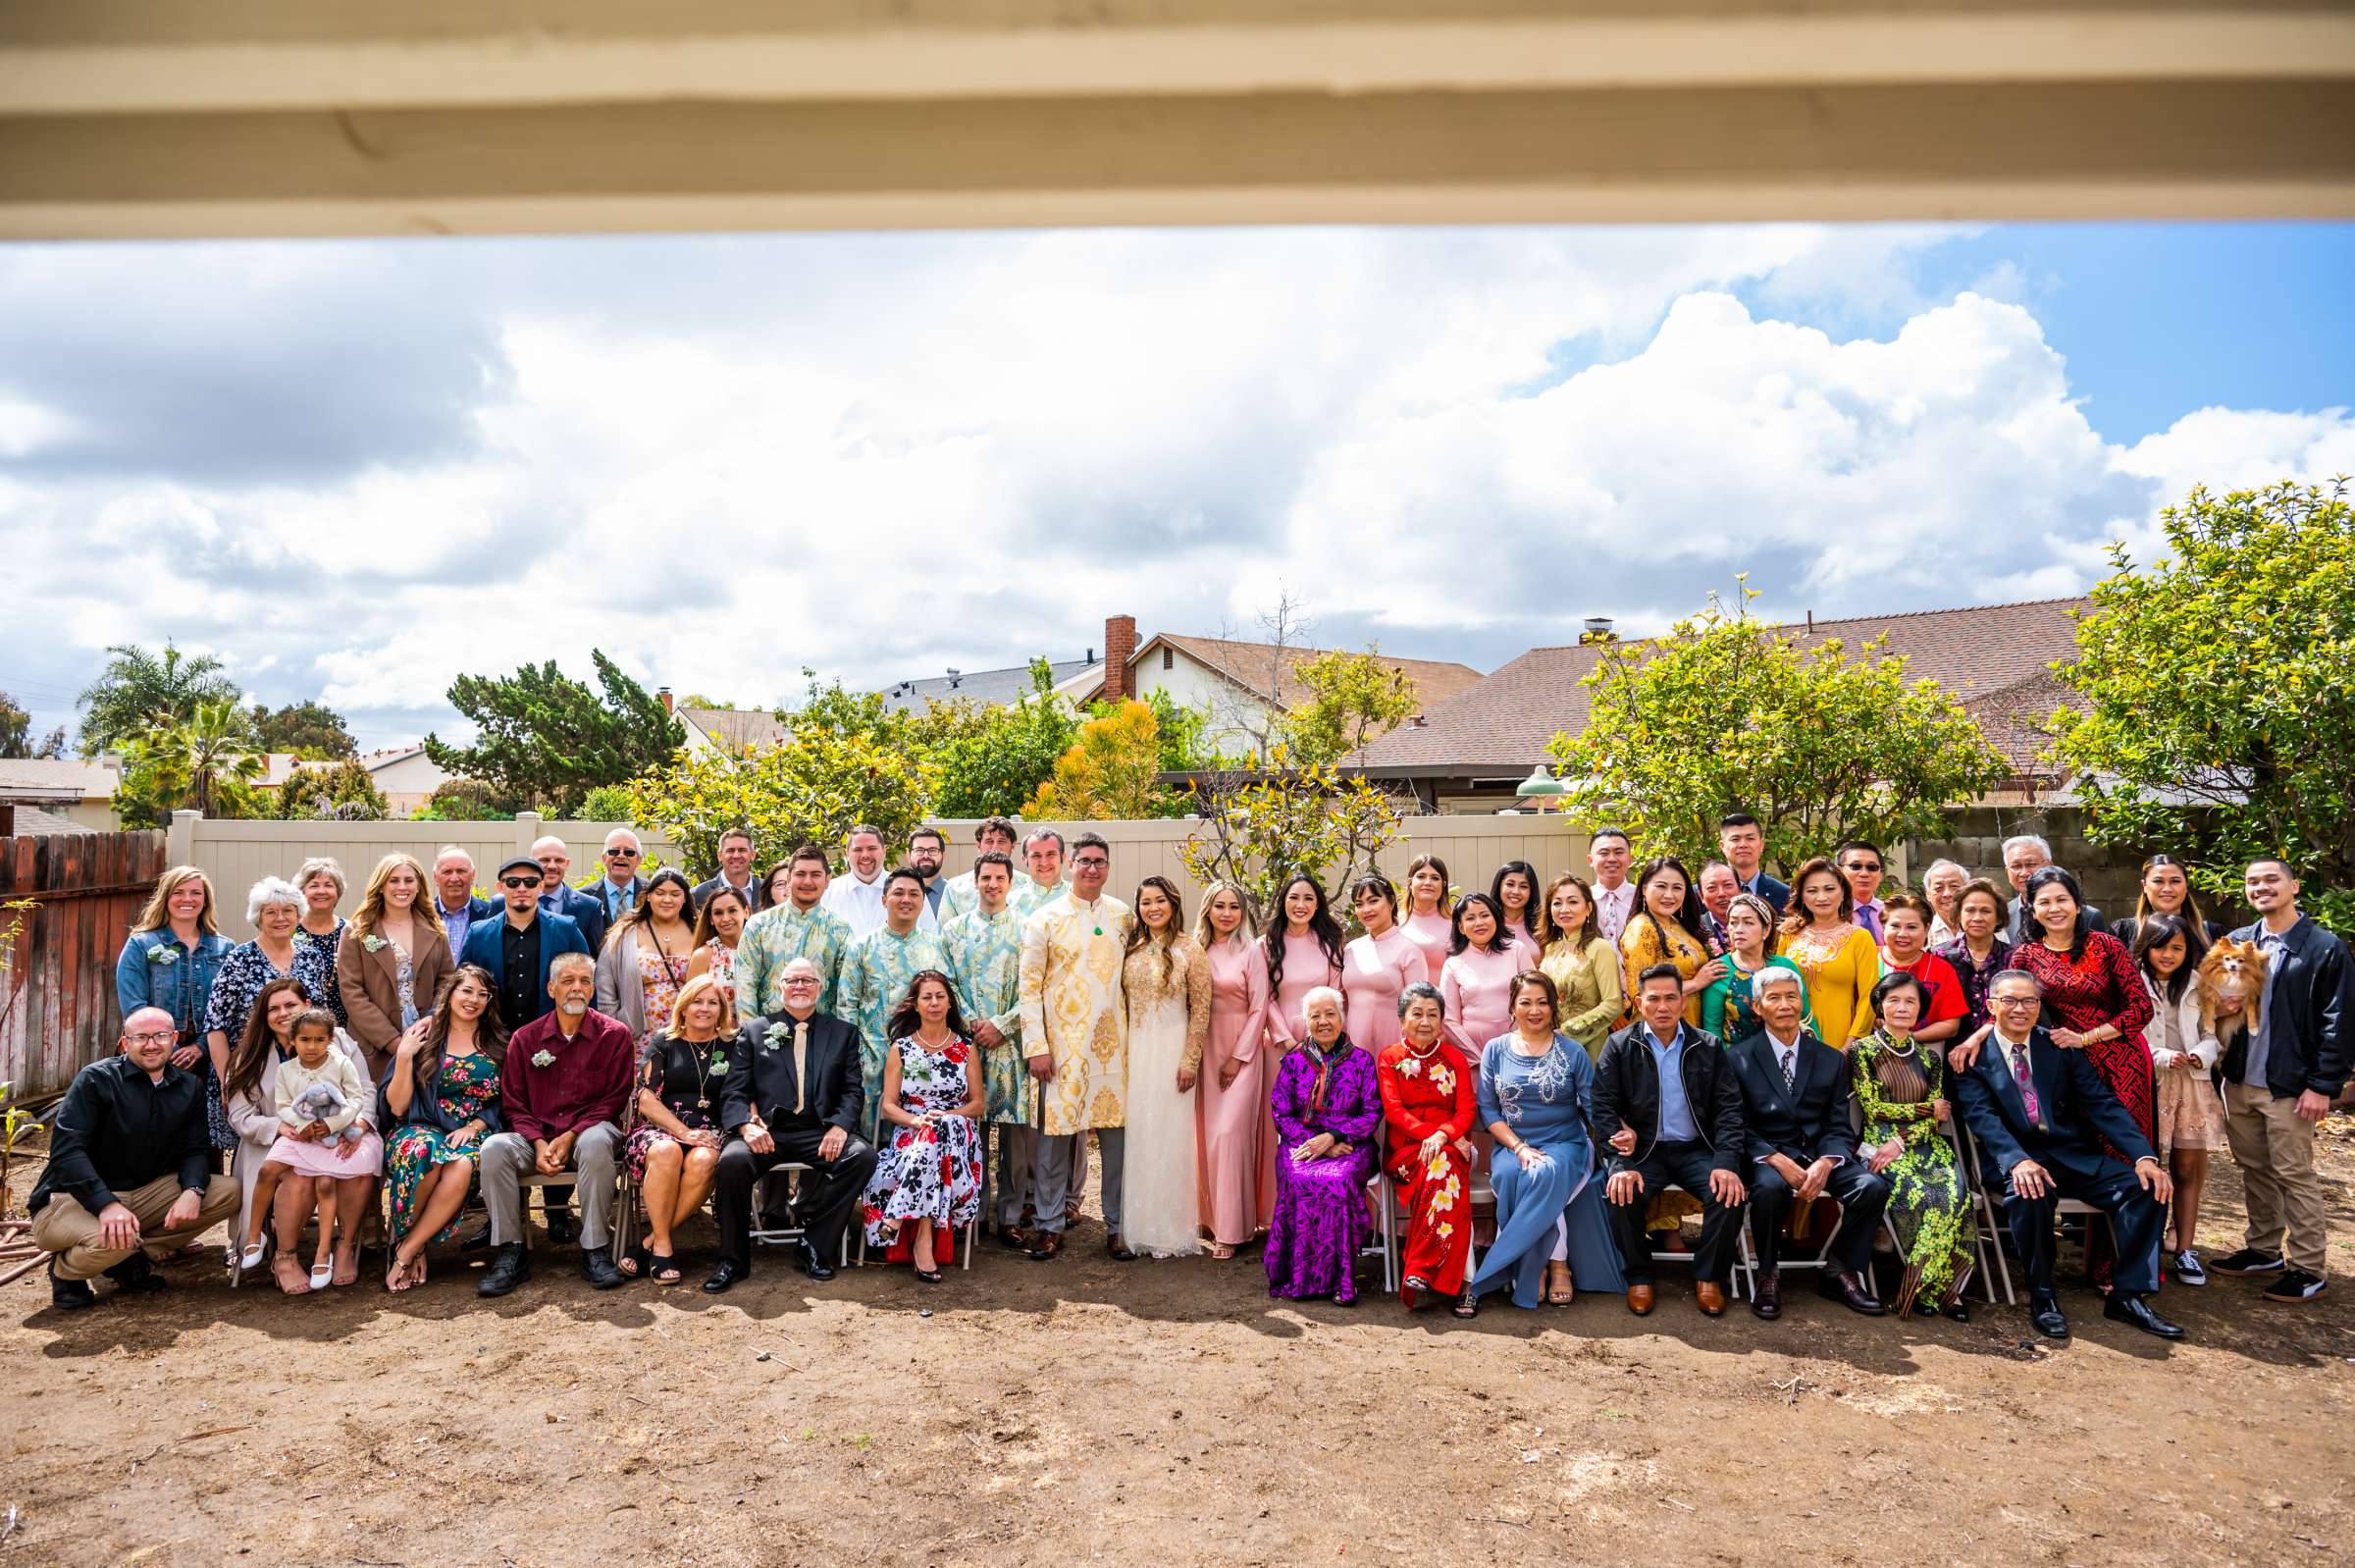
319 943
1328 1109
274 906
1428 1108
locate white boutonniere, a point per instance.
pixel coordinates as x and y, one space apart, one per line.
773 1038
373 942
303 938
165 954
543 1058
719 1064
1410 1069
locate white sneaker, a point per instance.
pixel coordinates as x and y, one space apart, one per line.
2188 1270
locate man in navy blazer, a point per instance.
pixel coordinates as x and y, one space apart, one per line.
1742 843
558 897
454 898
520 990
2041 1116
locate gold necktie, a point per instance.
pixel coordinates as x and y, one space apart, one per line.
801 1066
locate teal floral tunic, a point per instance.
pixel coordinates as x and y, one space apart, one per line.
875 974
1929 1208
985 960
774 938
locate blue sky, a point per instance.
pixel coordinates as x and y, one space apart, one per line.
356 469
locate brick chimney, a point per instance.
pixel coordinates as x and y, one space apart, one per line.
1119 647
664 694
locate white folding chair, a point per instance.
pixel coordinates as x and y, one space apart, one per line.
1744 1273
1991 1226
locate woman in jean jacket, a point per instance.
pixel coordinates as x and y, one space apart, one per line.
170 961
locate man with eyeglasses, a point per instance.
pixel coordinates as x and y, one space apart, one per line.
1862 865
2041 1115
618 889
130 1177
1076 1032
736 872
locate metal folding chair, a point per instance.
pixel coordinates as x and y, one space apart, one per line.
1991 1226
1745 1276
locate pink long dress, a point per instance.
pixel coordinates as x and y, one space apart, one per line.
1432 933
1374 970
1305 967
1236 1195
1473 987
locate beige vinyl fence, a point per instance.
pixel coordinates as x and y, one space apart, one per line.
236 855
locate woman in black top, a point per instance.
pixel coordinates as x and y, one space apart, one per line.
674 1151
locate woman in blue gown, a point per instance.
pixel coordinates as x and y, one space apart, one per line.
1536 1089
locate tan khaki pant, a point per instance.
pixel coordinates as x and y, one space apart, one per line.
2274 1150
64 1226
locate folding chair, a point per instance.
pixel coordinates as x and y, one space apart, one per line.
1744 1273
1386 1216
1991 1226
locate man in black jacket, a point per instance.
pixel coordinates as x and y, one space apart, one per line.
1668 1108
130 1177
2041 1116
2279 1079
793 1096
1795 1112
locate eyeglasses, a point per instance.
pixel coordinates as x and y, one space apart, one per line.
622 854
2013 1000
1092 860
520 881
152 1037
792 981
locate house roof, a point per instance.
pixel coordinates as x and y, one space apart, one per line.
57 779
1995 658
33 821
987 686
734 728
1253 668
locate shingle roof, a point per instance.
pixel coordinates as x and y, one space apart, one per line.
1995 658
734 728
32 821
1253 665
57 778
983 685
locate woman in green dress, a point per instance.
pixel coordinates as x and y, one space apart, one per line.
1725 1009
1901 1091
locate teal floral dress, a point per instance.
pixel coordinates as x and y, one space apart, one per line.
1929 1207
466 1089
876 976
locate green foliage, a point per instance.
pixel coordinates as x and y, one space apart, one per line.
546 737
813 786
309 730
1726 713
207 763
607 803
1183 730
1354 699
465 800
991 767
1110 771
16 734
138 691
2220 692
336 790
1260 827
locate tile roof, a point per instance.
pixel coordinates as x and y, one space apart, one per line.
734 728
1994 656
57 778
986 685
1252 666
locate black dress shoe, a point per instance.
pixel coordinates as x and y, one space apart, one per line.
816 1267
135 1276
1849 1290
726 1275
1116 1249
477 1242
1958 1310
510 1266
562 1228
2122 1307
596 1267
1766 1301
70 1295
2045 1313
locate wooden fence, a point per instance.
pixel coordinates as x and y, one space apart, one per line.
80 892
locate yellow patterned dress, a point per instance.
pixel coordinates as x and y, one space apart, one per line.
1069 992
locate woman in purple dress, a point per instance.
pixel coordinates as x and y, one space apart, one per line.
1327 1105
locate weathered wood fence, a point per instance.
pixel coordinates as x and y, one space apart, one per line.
66 902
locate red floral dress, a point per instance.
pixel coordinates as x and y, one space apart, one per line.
1421 1095
934 1171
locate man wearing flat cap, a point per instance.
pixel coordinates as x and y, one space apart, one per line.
518 949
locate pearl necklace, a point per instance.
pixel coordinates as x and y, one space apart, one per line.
1423 1056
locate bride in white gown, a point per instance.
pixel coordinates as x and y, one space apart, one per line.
1165 980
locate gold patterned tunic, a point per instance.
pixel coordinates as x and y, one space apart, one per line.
1069 990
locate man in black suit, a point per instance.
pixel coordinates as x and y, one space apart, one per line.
1667 1109
2041 1115
793 1095
619 888
1742 843
1794 1110
559 897
735 873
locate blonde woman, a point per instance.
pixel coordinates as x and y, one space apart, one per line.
673 1154
391 959
170 961
1234 1166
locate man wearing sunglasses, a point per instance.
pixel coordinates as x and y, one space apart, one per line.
518 948
618 889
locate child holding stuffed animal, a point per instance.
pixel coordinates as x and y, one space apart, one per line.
2167 948
326 1116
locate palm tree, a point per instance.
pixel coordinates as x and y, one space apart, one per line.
215 751
139 691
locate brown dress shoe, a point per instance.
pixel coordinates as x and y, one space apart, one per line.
1711 1296
1639 1299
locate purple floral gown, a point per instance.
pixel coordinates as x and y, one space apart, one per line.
1321 1220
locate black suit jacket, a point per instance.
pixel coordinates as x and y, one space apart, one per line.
2076 1100
1627 1088
1804 1122
761 1076
585 912
704 890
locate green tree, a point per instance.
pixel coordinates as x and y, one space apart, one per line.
206 764
1353 700
310 730
1260 827
138 690
1727 712
812 786
16 734
992 767
546 737
2220 693
337 791
1110 772
465 800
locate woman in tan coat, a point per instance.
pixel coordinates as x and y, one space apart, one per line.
391 959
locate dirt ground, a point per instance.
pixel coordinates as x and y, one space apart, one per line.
1169 1412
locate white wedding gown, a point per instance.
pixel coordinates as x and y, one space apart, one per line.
1161 1200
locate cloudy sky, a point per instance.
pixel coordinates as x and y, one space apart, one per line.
356 470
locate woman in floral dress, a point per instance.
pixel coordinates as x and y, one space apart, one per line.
319 943
442 1098
1901 1091
1428 1106
927 1180
647 956
673 1153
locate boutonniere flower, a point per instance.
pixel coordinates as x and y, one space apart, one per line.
543 1058
719 1064
773 1038
303 938
163 954
1410 1069
373 942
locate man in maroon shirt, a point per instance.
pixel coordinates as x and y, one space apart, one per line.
562 1087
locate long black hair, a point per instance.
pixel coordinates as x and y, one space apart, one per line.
1320 925
642 912
1457 942
1687 913
1529 914
2156 930
906 1021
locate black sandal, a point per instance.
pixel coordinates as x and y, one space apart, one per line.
632 1264
662 1268
1467 1305
929 1275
